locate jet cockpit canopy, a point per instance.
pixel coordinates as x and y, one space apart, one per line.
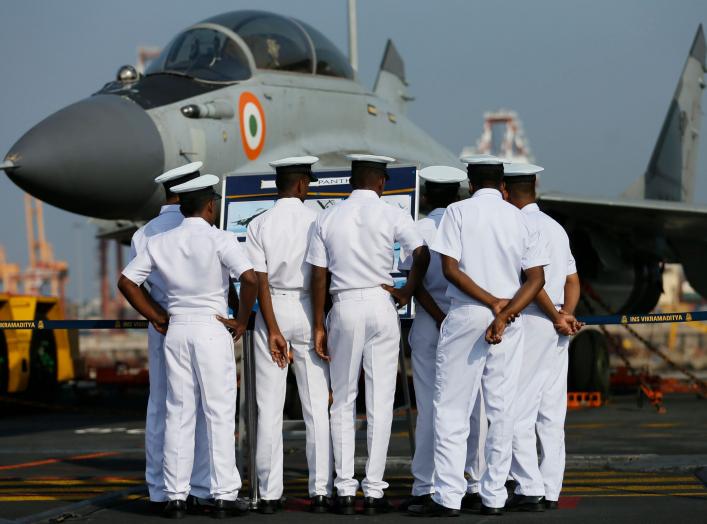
228 47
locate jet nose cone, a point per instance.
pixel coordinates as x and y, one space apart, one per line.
97 157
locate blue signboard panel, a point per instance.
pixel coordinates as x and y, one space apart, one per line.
247 196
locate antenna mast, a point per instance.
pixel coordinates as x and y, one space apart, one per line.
353 36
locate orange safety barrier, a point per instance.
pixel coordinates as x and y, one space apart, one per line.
583 399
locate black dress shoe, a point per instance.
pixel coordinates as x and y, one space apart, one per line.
319 504
156 508
432 509
229 508
345 505
375 506
268 507
525 503
511 486
551 504
414 500
487 510
471 501
175 509
199 506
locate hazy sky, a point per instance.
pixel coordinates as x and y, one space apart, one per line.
591 81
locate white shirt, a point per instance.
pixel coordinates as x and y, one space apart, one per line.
434 281
277 242
561 260
355 239
169 218
194 261
492 240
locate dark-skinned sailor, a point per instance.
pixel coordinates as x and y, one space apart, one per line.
542 388
276 244
485 244
196 262
439 186
354 241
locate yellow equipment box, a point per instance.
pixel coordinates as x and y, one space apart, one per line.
33 359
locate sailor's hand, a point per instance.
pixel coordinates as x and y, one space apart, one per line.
161 324
499 305
575 324
234 327
278 349
320 343
564 324
494 333
401 296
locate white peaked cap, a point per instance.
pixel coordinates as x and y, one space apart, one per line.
177 172
294 161
200 182
359 157
443 174
521 169
483 160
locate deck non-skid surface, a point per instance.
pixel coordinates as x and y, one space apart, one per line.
625 464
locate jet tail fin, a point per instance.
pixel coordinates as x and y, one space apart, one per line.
671 171
390 83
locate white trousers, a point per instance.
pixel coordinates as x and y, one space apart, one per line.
363 330
540 346
423 339
475 444
201 371
550 425
155 427
293 314
465 364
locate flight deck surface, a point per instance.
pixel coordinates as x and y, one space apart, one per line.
86 462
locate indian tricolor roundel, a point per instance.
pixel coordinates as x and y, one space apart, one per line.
252 125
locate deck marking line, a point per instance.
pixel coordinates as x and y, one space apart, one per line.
44 462
71 508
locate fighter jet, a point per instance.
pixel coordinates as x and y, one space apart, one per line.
621 244
243 88
235 91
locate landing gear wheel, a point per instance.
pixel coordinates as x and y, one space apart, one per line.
589 363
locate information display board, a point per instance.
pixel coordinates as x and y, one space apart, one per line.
249 195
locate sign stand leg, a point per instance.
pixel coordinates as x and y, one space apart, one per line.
251 413
406 397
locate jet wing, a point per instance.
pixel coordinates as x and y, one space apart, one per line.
653 217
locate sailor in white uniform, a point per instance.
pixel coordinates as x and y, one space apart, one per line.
196 262
485 244
440 189
169 218
355 240
541 401
276 244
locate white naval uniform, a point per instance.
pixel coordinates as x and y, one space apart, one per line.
354 240
475 444
493 242
423 338
276 244
195 260
541 401
169 218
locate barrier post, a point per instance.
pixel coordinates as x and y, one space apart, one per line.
241 428
251 413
